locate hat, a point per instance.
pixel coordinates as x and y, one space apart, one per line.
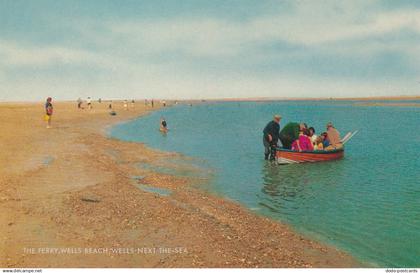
329 124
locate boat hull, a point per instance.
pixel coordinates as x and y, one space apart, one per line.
284 156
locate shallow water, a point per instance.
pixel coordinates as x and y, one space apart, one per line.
367 204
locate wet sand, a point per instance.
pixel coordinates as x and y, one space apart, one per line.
68 199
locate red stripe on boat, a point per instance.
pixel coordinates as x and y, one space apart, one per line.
310 156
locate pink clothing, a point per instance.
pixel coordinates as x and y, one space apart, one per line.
303 143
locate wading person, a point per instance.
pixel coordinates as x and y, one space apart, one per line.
48 112
271 137
163 125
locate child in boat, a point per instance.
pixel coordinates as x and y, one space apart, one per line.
319 146
303 143
325 141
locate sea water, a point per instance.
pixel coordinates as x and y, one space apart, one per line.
367 204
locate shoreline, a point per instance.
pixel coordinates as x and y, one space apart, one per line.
250 99
73 186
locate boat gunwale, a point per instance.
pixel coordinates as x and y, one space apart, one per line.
335 151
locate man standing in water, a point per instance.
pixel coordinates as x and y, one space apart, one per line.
271 137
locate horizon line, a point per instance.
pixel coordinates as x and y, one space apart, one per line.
399 97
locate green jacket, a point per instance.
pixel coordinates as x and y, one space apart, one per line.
290 132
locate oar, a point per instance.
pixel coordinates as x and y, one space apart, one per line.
348 137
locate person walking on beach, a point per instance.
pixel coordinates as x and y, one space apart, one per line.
271 137
153 103
48 111
79 103
89 102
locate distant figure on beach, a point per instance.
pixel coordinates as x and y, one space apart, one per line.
125 104
153 103
100 100
89 102
163 125
133 103
48 112
271 137
290 133
79 103
110 105
164 103
333 137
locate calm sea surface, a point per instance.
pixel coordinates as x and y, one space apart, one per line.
367 204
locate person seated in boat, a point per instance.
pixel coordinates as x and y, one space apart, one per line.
303 143
290 133
325 141
333 136
312 135
319 146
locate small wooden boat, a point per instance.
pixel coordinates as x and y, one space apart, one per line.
285 156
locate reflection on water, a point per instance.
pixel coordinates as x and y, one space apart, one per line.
286 189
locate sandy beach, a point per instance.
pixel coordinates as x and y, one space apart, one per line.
68 199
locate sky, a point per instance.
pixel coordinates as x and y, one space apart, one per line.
198 49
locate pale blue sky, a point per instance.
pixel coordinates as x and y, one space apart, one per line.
208 49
